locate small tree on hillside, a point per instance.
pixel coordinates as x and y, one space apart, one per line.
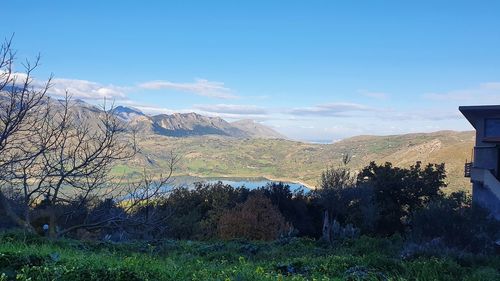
336 190
399 192
197 210
256 219
294 206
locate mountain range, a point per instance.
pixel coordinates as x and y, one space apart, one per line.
193 124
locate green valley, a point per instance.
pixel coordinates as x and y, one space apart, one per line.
285 160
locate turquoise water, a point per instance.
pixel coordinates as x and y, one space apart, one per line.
250 183
256 184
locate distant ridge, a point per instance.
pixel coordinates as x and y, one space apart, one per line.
127 113
193 124
257 130
179 124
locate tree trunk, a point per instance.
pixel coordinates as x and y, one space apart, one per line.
5 205
326 226
52 223
27 215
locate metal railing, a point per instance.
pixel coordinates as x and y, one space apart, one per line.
467 169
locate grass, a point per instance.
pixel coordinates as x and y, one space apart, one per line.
34 258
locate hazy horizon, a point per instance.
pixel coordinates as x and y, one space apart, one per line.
312 71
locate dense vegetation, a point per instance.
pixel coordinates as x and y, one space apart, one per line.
386 223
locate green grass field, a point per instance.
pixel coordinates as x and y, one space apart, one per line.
34 258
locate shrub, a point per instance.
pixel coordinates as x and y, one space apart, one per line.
296 207
399 192
194 213
256 219
453 220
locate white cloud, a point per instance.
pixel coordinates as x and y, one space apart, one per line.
422 114
231 109
491 85
76 88
484 93
313 121
375 95
151 109
331 109
18 79
225 111
200 87
83 89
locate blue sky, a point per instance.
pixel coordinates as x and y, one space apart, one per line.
313 70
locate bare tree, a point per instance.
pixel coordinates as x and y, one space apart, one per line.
21 107
52 153
76 156
137 201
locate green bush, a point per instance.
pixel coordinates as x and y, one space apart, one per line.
454 222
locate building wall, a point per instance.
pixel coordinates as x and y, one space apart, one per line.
485 189
486 198
486 157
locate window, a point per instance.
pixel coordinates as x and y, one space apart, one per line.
492 128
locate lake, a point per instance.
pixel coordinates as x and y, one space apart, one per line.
250 183
254 184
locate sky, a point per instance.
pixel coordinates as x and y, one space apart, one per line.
312 70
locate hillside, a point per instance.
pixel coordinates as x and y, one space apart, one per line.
213 156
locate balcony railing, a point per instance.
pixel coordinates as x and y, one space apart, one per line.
467 169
